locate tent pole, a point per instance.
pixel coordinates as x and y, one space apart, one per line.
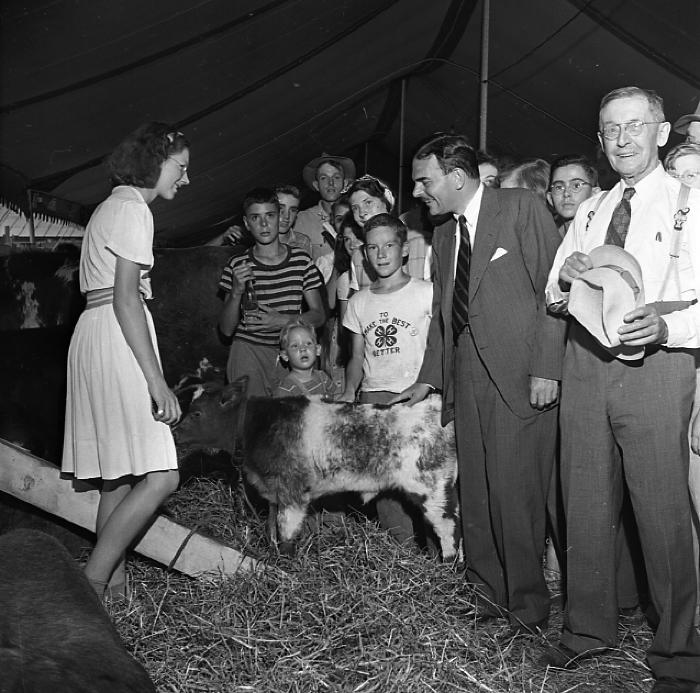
402 143
32 239
484 82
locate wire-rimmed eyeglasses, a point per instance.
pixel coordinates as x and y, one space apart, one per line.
575 185
634 128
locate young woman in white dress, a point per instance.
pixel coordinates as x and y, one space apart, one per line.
119 408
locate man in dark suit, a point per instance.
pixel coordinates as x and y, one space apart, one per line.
496 354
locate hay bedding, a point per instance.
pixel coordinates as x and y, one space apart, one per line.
352 612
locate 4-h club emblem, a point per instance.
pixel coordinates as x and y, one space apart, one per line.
385 336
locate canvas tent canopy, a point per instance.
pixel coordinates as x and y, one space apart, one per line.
261 87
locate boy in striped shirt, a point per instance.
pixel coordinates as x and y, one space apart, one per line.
284 278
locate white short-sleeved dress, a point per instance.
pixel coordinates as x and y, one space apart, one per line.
110 431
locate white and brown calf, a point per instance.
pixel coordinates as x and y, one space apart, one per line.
296 450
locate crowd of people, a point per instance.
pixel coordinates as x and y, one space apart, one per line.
467 294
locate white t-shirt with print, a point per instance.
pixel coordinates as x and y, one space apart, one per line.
395 328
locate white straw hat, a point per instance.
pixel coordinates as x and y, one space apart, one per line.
602 296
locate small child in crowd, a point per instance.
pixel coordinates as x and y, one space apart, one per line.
389 323
299 350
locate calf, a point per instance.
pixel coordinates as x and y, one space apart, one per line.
54 633
296 450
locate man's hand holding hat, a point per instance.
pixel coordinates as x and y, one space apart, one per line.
574 266
606 295
643 326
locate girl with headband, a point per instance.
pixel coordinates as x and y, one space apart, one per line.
119 408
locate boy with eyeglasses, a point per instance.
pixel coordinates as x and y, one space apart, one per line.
573 180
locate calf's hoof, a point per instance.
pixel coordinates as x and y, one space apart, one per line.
287 548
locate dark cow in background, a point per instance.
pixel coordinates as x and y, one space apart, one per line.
296 450
40 302
186 309
55 636
39 288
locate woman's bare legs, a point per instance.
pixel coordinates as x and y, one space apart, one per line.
123 512
112 494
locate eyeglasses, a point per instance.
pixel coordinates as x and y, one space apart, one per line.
183 167
633 128
575 185
687 177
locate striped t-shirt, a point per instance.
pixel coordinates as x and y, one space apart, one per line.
280 287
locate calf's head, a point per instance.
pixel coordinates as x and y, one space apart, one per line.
215 417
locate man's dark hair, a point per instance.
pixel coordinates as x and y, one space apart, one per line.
260 196
451 152
575 160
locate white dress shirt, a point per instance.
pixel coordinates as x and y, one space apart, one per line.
650 240
471 215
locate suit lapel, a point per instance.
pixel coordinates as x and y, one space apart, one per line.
444 239
485 239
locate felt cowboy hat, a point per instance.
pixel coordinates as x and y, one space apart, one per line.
309 172
600 297
681 125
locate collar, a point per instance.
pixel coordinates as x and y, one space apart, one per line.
471 211
649 185
322 212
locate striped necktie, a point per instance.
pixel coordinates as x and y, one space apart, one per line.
620 220
460 297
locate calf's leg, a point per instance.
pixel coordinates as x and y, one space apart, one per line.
289 520
442 511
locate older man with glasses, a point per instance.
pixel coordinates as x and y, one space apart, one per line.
625 410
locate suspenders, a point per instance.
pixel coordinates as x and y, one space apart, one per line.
679 219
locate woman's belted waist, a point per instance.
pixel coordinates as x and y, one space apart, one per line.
102 297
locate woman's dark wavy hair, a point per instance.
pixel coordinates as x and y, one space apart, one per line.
138 158
341 259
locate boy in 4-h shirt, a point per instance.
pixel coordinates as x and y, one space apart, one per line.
389 324
283 279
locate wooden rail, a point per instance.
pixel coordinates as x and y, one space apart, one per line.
35 481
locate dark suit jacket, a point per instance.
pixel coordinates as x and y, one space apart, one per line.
515 335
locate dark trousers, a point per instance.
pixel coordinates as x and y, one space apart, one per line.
505 466
627 421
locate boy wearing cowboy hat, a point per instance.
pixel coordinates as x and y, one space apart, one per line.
328 176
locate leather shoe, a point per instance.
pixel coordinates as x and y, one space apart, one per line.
670 684
560 656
